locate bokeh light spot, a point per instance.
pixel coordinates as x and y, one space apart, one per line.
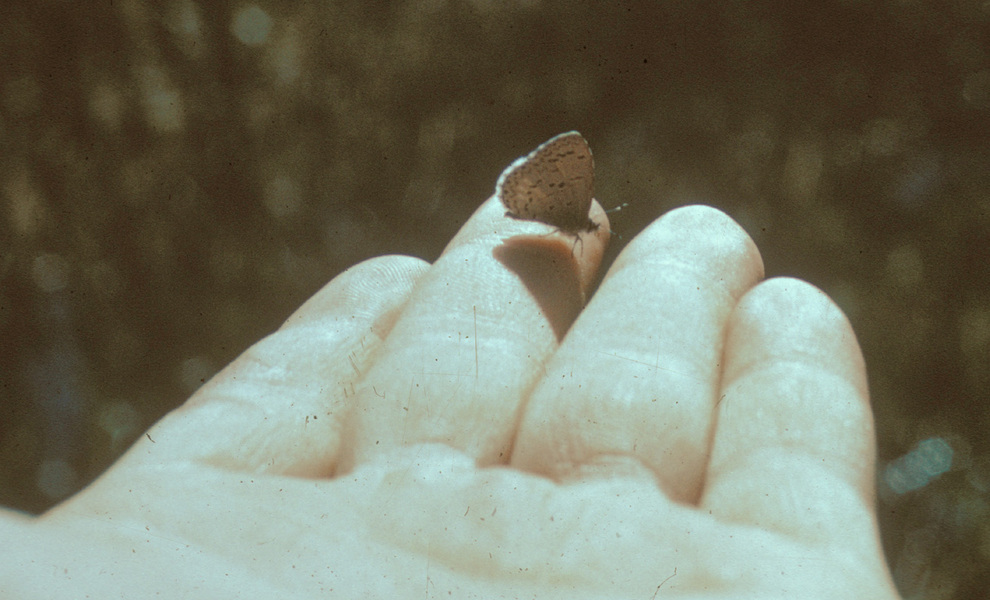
929 459
251 25
50 272
282 197
56 478
194 372
120 420
976 89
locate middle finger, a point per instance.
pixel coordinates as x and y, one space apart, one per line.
473 337
634 381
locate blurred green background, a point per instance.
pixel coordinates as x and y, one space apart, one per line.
177 177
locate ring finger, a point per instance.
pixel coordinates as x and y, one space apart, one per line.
634 382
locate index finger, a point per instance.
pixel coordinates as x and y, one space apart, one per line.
276 408
474 337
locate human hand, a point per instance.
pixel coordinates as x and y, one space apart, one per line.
420 431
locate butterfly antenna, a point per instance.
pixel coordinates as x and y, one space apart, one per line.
616 209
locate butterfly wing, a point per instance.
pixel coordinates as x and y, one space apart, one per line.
553 184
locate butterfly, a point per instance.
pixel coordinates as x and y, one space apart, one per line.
553 184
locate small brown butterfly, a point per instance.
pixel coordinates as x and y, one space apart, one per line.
553 184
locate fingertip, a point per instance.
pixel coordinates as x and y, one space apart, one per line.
697 232
803 321
375 285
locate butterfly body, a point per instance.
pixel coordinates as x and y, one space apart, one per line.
553 184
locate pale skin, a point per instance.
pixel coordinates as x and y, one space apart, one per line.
421 431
